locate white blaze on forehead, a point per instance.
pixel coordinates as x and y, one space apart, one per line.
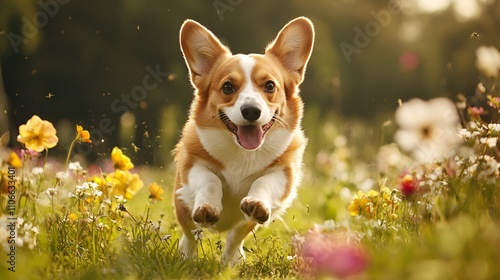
248 95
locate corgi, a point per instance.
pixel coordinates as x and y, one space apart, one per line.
239 159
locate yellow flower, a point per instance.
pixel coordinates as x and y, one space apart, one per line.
155 192
364 204
83 135
14 160
121 161
4 182
37 134
124 183
72 217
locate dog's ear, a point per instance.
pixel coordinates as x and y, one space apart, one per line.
201 49
293 46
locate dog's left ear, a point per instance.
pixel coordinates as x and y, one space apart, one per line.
293 46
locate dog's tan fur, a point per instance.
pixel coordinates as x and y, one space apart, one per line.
234 181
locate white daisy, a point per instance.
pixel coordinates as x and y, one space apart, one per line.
488 61
428 129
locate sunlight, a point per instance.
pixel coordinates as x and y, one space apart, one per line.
433 6
467 9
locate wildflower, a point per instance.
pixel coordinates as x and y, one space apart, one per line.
120 199
475 112
124 183
490 142
62 175
5 182
363 204
155 192
427 129
100 226
37 170
82 135
72 217
51 192
409 185
37 134
374 204
494 127
333 254
14 160
121 161
198 233
488 61
494 102
75 166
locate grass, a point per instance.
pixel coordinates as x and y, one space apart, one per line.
442 221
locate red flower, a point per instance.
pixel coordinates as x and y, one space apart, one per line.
409 185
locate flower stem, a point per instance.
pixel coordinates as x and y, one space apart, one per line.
69 153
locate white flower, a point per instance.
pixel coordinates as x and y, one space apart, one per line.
96 193
75 166
428 129
494 127
488 61
51 192
93 185
490 142
35 230
37 170
62 175
198 233
100 226
107 201
120 199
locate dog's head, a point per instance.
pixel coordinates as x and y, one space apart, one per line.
247 95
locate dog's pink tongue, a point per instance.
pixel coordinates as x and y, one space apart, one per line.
250 136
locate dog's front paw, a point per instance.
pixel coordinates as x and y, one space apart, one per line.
256 209
206 214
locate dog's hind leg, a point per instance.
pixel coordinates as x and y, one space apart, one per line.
233 252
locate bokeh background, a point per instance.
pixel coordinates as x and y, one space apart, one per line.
84 62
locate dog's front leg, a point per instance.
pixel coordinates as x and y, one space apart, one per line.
207 190
202 196
266 195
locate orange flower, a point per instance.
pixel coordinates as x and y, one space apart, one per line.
37 134
121 161
155 192
83 135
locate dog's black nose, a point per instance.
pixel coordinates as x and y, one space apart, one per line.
250 112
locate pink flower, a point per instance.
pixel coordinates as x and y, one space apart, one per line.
332 253
29 153
475 112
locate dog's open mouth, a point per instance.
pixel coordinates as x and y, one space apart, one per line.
250 136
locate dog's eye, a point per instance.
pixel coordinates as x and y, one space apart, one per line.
270 87
228 88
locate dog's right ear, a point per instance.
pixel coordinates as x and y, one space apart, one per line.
201 49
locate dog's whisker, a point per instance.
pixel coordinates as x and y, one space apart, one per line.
282 121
